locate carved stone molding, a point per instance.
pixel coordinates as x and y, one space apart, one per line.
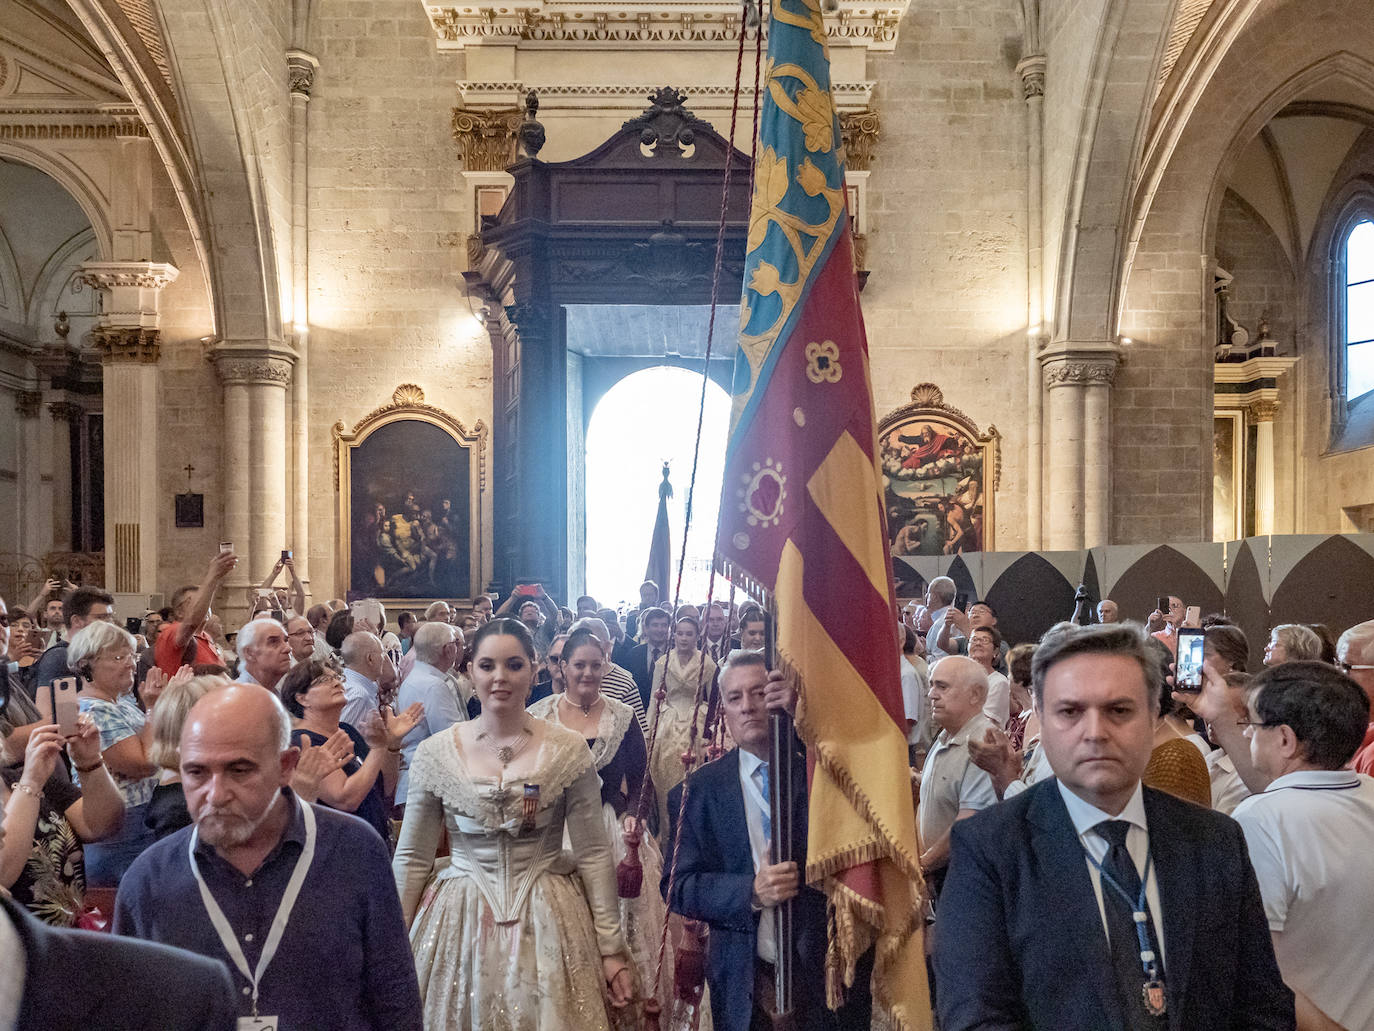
128 344
1032 73
300 70
689 23
27 403
491 97
253 369
860 130
486 139
145 275
1070 372
1262 411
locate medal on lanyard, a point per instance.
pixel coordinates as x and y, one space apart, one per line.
269 949
1152 991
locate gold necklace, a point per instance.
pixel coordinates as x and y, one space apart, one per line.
506 753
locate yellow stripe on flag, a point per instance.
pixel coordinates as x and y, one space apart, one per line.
844 488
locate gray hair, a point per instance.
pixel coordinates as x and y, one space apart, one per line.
596 626
1358 643
741 658
1301 642
94 638
283 721
434 608
357 645
1099 639
942 587
430 641
248 633
169 716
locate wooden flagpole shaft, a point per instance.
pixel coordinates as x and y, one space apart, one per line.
781 794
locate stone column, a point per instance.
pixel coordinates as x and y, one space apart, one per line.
64 414
29 535
301 67
1032 73
1079 378
1262 414
254 461
128 338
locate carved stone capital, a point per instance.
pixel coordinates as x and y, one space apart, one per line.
252 369
64 411
300 69
860 131
1262 411
128 344
1032 73
27 403
486 139
1085 372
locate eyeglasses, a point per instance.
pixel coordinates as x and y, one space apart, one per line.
307 632
1346 667
1259 723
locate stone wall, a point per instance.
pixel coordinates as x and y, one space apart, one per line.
946 302
387 224
1264 283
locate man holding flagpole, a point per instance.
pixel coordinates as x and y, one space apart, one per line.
802 523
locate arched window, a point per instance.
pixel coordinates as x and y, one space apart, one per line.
1358 261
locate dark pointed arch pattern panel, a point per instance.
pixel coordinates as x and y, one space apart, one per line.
1262 582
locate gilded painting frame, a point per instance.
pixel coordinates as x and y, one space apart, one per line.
407 418
939 477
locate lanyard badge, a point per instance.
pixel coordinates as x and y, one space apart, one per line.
269 949
1152 991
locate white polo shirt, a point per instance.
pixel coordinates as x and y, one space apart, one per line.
1311 840
950 782
998 705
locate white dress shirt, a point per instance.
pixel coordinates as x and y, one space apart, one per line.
998 705
1311 841
362 699
916 700
432 689
755 805
933 651
12 966
1085 817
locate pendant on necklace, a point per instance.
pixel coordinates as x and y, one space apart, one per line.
505 754
1152 992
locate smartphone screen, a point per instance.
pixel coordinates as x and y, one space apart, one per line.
961 602
1162 604
1188 666
225 547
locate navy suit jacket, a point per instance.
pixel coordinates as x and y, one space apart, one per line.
637 662
80 980
715 883
1020 943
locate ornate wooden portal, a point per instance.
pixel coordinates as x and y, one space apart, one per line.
632 222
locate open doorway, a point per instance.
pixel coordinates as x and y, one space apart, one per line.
646 419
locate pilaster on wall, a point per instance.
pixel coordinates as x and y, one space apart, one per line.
253 461
128 337
301 67
1078 377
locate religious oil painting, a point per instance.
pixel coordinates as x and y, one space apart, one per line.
939 477
409 485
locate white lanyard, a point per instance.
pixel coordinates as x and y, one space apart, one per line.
288 902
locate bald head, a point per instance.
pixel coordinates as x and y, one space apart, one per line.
958 689
362 652
248 713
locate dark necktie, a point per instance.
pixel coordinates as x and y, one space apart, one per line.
1125 944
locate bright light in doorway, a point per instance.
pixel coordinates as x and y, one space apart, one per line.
644 420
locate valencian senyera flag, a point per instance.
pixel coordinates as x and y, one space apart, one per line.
802 518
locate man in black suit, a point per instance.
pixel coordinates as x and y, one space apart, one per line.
724 878
1043 921
79 980
657 643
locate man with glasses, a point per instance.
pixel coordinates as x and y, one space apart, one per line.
80 608
1311 837
1355 657
300 635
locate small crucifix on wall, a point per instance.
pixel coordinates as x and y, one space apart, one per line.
190 508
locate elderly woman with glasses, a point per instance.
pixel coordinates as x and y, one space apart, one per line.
105 657
313 693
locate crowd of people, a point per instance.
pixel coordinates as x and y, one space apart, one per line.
505 813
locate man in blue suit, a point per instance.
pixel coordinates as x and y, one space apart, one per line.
1090 902
723 876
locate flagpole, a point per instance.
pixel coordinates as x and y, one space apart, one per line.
781 795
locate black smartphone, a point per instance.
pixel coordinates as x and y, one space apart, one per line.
961 602
1188 662
1162 604
134 625
285 554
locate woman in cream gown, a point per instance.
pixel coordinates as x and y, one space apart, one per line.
681 672
514 933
